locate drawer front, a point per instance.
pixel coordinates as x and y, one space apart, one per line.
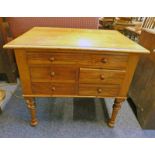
110 61
99 90
43 88
57 58
102 76
53 73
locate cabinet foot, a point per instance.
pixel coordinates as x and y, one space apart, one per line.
32 108
116 107
33 123
110 123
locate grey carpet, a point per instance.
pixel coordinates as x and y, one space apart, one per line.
9 89
68 117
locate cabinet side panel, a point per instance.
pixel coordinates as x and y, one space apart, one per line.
23 71
132 63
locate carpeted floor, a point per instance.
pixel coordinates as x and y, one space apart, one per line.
67 117
9 90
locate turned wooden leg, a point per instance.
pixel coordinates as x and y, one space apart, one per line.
32 108
116 107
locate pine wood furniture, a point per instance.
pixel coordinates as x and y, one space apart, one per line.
65 62
142 90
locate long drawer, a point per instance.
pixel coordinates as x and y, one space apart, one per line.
101 76
53 73
45 88
57 58
111 61
99 90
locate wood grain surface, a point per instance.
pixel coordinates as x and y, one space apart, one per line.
69 38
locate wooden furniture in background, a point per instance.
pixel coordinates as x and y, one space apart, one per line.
106 22
118 23
122 22
61 62
142 90
2 94
148 22
8 67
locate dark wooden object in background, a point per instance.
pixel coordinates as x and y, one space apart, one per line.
8 67
106 22
142 91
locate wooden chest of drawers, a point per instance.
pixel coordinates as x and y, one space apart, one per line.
77 74
56 62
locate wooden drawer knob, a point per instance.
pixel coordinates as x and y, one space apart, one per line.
51 58
102 77
53 88
104 60
99 90
52 73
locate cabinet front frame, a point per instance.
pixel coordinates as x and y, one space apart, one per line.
24 72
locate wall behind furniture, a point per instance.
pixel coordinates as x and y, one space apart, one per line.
20 25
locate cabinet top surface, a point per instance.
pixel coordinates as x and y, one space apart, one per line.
69 38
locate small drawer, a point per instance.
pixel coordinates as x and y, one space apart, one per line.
99 90
102 76
58 58
43 88
53 73
110 61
